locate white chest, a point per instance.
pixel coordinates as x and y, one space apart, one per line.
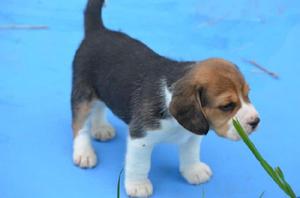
169 132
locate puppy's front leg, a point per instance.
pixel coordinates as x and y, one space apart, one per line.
138 162
191 168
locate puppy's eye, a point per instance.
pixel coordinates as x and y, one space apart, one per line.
228 107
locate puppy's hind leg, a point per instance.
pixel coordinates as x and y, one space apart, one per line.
101 128
83 153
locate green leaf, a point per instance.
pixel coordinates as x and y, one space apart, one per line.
279 172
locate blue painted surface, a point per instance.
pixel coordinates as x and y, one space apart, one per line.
35 76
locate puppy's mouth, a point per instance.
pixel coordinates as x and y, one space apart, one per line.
232 134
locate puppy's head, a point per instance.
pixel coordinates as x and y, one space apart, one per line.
210 95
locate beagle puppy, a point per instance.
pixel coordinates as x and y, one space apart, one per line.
161 100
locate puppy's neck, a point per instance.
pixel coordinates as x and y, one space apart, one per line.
176 71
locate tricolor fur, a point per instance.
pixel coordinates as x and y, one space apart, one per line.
161 100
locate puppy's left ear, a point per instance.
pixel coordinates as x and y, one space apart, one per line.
186 107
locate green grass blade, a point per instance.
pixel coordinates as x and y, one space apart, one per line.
119 182
203 193
276 174
258 156
262 194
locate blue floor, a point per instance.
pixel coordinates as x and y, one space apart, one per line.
35 79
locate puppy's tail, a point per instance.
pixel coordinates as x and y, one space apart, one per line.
92 16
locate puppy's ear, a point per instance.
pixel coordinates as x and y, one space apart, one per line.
186 107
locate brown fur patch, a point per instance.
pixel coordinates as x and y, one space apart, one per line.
186 106
81 112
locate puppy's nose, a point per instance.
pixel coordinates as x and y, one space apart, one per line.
254 123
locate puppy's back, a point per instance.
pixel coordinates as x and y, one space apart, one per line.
116 66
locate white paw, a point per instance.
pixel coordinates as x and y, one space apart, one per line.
142 188
85 159
83 153
197 173
103 132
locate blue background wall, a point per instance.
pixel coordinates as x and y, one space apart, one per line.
35 78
